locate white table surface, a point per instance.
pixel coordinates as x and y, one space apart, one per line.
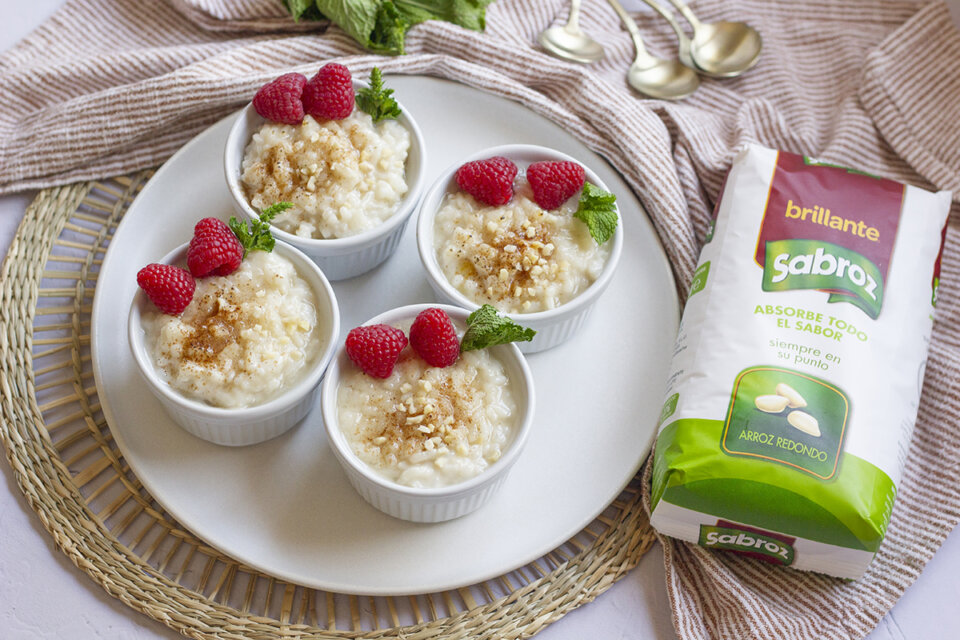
42 595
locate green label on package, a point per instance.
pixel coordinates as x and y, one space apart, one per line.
749 542
813 264
788 417
700 278
668 408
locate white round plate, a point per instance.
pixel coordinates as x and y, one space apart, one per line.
284 506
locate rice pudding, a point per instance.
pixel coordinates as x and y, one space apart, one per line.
517 257
426 426
243 339
342 176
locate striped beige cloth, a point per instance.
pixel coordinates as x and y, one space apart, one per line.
109 86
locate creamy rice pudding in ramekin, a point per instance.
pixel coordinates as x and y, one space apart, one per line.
342 176
242 363
541 267
243 339
516 257
429 444
360 221
426 426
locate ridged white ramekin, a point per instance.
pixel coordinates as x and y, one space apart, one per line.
248 425
339 258
434 504
553 326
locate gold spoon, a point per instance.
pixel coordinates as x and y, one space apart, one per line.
569 41
655 77
684 51
718 49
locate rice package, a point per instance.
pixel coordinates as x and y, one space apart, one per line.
798 366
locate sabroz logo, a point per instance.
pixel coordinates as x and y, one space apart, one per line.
821 216
821 263
748 542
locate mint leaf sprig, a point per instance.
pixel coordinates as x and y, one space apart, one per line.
598 209
254 235
381 25
306 9
377 100
486 328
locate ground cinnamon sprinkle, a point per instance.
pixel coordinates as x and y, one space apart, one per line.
342 176
427 426
215 331
243 338
424 417
517 257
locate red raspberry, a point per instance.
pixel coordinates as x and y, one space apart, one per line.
375 348
489 181
170 288
434 338
279 101
214 249
329 94
554 182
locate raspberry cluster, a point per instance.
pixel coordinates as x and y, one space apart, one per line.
491 181
376 348
214 251
326 96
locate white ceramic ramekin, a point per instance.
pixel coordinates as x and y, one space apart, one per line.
553 326
340 258
248 425
433 504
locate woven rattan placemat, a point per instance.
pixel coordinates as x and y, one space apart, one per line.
75 477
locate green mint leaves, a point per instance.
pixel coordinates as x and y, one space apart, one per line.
376 100
255 235
598 209
306 9
381 25
389 29
485 328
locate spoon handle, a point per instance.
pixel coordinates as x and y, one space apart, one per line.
668 17
573 21
684 52
642 55
687 13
